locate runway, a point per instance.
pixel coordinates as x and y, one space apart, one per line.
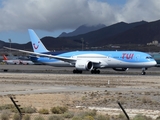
22 75
68 70
31 83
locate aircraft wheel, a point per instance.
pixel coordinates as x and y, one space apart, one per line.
98 71
143 73
92 71
5 70
77 71
74 71
95 71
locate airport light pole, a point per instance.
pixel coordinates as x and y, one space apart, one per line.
82 43
10 44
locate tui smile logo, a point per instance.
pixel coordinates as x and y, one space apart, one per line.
36 46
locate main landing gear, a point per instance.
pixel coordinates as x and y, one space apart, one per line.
77 71
143 71
95 71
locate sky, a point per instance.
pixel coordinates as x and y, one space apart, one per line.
52 17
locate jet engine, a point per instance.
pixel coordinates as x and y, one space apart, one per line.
120 69
84 65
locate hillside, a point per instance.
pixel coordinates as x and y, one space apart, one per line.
82 30
126 35
99 37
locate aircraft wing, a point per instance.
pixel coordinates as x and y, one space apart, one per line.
70 60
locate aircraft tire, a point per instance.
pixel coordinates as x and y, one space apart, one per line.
92 71
95 71
5 70
77 71
143 73
74 71
98 71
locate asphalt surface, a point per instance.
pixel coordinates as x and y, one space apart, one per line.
68 70
17 79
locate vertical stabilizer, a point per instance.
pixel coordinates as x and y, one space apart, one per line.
4 57
36 42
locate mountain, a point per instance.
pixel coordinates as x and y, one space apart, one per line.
60 43
97 37
120 33
2 43
82 30
141 34
26 46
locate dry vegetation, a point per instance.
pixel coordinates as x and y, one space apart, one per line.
138 95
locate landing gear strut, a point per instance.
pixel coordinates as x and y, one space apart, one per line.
77 71
95 71
143 71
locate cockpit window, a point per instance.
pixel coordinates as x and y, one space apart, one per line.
149 57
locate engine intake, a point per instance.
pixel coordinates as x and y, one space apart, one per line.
84 65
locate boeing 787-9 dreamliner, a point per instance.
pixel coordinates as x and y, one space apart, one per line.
88 60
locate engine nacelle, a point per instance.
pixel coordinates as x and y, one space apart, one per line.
84 65
120 69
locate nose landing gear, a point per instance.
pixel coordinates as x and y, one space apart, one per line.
143 71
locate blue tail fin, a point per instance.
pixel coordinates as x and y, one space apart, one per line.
36 42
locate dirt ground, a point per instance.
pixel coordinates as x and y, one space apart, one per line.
137 93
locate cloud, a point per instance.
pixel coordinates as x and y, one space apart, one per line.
137 10
53 15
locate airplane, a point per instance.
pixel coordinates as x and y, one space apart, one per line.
16 61
88 60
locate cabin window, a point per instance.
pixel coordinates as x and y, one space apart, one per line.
149 57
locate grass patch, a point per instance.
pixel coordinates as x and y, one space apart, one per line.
43 111
141 117
68 115
54 117
26 117
39 118
5 115
7 106
16 117
29 109
59 110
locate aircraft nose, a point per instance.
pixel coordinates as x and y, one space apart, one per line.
154 63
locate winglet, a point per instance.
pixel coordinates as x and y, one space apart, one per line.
36 42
